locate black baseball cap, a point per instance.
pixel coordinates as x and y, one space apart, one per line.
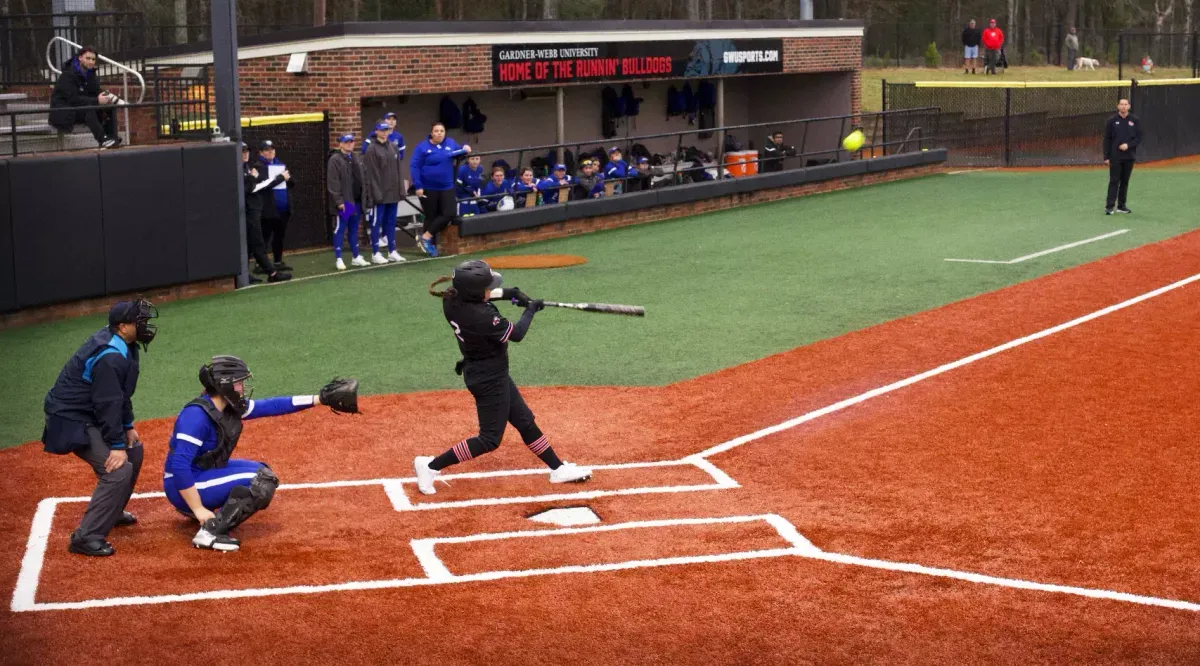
267 143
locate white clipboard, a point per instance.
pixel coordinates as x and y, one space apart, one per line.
274 170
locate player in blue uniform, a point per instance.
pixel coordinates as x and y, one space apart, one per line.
549 185
616 169
199 477
525 184
495 189
467 185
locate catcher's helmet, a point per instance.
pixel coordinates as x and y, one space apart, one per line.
218 377
474 279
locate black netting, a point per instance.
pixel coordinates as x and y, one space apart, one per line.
1169 120
1019 126
303 147
1059 125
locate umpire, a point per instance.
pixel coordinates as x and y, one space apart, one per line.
1122 134
89 413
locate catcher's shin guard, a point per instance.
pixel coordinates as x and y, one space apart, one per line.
244 502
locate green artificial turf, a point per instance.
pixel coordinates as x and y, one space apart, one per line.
720 289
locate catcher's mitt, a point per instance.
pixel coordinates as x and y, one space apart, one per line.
341 395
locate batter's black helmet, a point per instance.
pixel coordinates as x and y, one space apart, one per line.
218 377
474 279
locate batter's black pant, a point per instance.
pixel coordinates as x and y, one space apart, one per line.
113 489
440 208
254 240
498 403
274 229
1119 172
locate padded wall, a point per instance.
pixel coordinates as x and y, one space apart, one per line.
58 229
144 241
8 285
211 178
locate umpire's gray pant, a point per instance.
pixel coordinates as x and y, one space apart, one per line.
112 490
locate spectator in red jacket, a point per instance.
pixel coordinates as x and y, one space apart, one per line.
993 41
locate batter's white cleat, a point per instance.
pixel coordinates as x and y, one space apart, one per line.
210 541
395 257
340 265
570 473
425 475
359 261
378 258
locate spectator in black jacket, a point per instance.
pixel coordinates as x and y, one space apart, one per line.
1122 134
770 156
970 38
78 86
255 180
89 412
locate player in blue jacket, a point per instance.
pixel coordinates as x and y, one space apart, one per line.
468 184
525 184
432 170
549 186
199 477
616 169
393 136
495 189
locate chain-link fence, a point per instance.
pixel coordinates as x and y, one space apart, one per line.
1040 124
1169 113
940 44
1144 55
303 145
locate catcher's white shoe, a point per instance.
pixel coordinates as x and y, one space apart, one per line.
340 265
221 542
425 475
378 258
359 261
570 473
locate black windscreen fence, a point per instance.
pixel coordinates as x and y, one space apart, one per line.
1048 124
304 148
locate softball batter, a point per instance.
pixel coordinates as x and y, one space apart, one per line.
483 336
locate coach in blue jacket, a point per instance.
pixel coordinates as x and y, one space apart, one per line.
89 412
432 170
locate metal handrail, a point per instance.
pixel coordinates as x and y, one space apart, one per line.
114 63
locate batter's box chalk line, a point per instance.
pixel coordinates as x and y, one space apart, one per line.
24 593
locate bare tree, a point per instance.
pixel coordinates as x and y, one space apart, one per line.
550 9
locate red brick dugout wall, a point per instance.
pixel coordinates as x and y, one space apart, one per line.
451 243
338 79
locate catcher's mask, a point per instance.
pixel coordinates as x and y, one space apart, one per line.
138 312
228 377
474 279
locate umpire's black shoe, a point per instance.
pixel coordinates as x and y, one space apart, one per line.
1108 211
126 520
1123 210
279 276
91 548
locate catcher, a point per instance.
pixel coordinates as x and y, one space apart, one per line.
200 479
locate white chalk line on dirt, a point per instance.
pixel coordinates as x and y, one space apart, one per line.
1043 253
26 588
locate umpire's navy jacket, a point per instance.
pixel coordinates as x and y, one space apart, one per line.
95 388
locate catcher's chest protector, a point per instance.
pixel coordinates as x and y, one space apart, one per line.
229 430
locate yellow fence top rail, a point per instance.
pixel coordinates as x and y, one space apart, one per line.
1052 84
254 121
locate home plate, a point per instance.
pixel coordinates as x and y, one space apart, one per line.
567 516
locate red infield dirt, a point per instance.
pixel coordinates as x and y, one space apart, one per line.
1068 461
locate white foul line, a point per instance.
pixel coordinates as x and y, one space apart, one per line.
941 369
1052 250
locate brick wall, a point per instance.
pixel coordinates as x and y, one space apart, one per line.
337 80
98 305
451 243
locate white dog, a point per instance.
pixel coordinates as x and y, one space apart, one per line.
1089 63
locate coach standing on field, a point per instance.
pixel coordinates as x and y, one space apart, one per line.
432 171
89 412
1122 134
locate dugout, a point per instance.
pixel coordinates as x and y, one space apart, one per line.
542 82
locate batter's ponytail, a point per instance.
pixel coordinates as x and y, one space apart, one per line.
446 294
